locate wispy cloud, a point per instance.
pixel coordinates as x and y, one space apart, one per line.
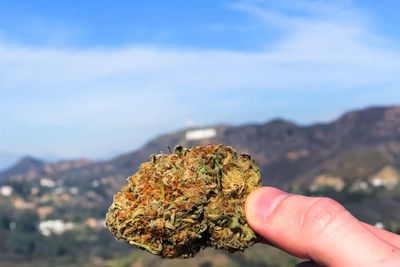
92 101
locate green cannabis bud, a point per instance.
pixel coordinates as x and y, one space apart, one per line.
177 204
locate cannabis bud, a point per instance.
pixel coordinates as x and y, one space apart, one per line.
179 203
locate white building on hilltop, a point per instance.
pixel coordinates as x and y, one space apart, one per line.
45 182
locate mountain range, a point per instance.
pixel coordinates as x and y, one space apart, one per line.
356 147
285 151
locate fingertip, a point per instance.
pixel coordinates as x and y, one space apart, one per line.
260 204
313 228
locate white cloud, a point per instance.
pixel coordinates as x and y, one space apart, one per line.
142 90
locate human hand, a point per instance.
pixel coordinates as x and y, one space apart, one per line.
319 229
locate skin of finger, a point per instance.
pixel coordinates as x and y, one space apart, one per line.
319 229
387 236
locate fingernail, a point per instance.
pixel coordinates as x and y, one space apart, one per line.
265 202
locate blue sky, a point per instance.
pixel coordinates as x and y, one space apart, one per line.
97 78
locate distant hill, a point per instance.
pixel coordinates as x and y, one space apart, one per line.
22 167
30 168
354 146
